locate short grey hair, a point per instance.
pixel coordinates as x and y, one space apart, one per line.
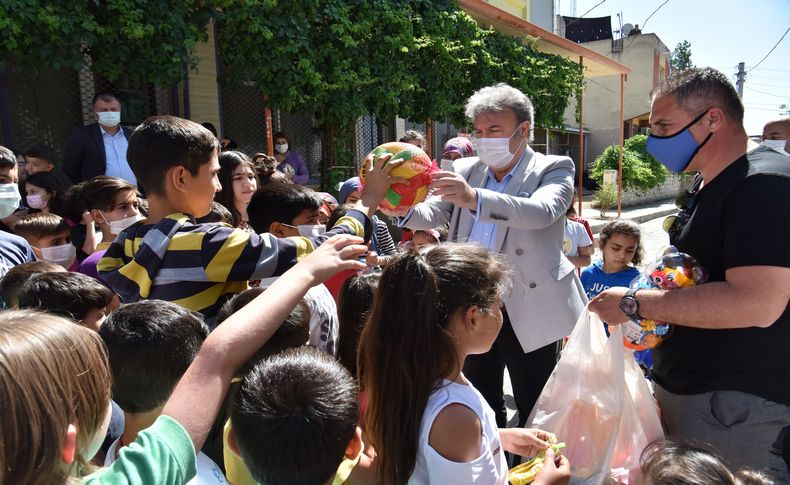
502 97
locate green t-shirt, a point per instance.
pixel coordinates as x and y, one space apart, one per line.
162 454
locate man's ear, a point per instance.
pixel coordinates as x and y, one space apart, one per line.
69 452
276 228
355 445
715 118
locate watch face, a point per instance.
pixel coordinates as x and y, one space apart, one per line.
629 305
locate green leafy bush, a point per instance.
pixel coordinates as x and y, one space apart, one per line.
605 197
640 170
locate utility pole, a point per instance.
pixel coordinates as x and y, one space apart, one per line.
741 79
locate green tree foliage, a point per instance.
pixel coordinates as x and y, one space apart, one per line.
681 56
151 40
640 170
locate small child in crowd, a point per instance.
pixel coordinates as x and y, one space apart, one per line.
15 279
45 193
70 295
621 245
425 420
290 210
295 420
381 240
150 345
218 214
50 237
356 301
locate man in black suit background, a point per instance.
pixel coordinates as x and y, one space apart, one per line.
99 148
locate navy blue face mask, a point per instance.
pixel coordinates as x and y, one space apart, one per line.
676 151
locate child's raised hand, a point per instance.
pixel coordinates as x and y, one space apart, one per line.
338 253
525 441
556 470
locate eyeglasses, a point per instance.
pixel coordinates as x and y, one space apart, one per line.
686 204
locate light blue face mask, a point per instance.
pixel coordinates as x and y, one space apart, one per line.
676 151
9 199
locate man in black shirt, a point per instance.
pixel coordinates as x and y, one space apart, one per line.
723 376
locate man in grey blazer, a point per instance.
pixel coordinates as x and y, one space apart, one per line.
512 201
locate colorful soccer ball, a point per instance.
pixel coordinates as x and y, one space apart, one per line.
416 169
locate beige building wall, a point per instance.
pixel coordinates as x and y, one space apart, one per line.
203 87
519 8
648 58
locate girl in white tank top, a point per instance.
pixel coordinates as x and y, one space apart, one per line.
425 420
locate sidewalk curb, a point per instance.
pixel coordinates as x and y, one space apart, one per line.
596 224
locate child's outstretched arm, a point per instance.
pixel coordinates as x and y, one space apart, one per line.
377 182
241 335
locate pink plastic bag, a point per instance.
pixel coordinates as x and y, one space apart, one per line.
597 401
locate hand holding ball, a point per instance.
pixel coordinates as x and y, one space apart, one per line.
415 169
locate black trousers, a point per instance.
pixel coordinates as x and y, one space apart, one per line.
528 373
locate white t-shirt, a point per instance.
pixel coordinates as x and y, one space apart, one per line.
208 473
575 237
324 323
432 468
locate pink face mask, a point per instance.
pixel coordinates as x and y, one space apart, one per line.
36 201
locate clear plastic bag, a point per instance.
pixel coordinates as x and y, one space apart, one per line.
597 401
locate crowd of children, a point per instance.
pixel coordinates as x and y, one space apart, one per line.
133 349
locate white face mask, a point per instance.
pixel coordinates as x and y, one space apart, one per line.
63 255
495 152
282 148
9 199
309 230
117 226
778 145
36 201
109 118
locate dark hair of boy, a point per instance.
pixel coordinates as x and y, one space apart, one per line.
218 213
7 158
15 279
39 224
71 295
355 303
294 332
43 152
150 343
339 212
294 416
282 203
54 185
163 142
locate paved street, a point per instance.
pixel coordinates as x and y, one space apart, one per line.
654 240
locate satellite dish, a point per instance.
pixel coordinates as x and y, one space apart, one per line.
627 28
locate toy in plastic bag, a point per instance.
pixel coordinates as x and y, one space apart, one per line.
598 402
671 270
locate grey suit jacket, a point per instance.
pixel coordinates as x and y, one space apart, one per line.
547 296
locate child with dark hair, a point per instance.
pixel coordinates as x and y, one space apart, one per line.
39 158
16 277
290 210
668 462
295 420
239 181
50 237
426 421
218 214
150 345
71 295
294 332
381 242
172 258
356 300
45 193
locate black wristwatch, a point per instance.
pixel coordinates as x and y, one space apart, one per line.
630 305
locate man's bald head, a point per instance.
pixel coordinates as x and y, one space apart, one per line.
778 129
